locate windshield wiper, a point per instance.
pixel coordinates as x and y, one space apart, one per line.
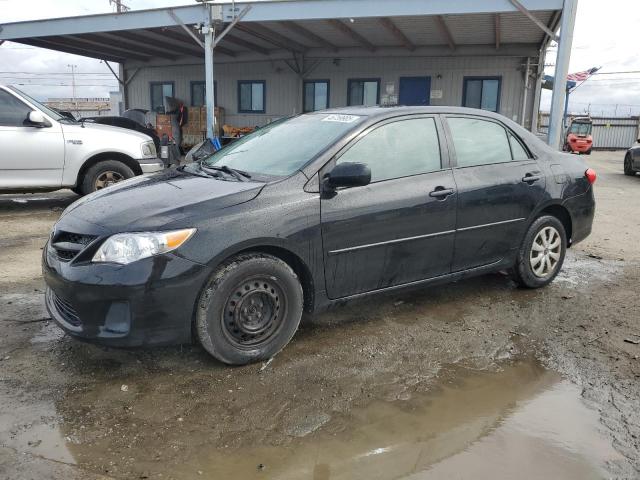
239 174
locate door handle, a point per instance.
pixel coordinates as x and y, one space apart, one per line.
441 193
530 178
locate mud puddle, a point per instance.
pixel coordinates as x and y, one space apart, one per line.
520 422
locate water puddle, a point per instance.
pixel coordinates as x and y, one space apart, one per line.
520 422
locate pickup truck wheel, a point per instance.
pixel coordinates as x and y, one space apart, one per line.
104 174
250 309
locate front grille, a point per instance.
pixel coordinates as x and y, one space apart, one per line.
68 244
64 309
65 255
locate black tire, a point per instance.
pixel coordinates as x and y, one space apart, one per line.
628 167
249 310
103 174
528 255
588 152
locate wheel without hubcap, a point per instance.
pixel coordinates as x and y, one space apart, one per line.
252 314
249 309
545 252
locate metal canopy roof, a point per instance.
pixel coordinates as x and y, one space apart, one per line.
312 27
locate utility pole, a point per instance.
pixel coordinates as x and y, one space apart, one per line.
73 86
120 7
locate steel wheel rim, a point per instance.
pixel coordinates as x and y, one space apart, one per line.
546 248
254 312
108 178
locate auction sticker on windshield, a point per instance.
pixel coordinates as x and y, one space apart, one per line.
340 118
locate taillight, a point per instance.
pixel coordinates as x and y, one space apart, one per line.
590 175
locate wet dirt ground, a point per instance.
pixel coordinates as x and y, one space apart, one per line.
476 379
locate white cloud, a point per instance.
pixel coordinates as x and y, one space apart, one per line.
606 35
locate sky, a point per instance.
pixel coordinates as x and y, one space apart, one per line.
606 35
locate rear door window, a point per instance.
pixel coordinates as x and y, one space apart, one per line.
398 149
478 142
517 150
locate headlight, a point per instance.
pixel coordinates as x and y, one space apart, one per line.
125 248
148 149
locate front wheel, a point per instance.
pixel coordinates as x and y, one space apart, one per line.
104 174
541 254
250 309
628 167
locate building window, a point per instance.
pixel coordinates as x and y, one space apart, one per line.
316 95
482 92
199 95
363 91
159 90
251 96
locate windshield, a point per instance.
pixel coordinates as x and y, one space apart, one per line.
52 113
580 128
281 148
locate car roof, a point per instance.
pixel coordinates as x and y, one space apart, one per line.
378 111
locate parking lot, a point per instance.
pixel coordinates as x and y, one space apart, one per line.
411 385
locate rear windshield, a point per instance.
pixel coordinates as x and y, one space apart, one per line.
281 148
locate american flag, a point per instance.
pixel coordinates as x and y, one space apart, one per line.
582 76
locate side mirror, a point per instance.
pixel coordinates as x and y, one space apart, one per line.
348 174
37 119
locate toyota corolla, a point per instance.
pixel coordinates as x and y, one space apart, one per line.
307 213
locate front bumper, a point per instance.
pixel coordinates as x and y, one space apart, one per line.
151 165
148 302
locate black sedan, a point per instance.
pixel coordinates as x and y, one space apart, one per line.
632 160
307 213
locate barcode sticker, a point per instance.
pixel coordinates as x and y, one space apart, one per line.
340 118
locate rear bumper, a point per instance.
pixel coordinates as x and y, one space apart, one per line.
148 302
582 209
151 165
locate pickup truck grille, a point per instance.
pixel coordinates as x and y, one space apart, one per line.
68 245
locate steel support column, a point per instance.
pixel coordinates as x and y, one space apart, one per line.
562 69
208 31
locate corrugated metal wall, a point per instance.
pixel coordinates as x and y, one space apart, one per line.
284 88
609 132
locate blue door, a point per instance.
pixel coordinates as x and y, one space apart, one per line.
414 90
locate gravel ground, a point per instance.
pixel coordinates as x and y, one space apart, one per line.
71 410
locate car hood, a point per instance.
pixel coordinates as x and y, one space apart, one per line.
155 201
93 129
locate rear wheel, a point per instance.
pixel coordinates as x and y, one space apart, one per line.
104 174
250 309
541 254
628 166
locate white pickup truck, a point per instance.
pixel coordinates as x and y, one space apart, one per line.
42 150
